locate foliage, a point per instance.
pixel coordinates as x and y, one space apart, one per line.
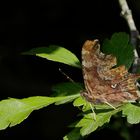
56 53
14 111
119 46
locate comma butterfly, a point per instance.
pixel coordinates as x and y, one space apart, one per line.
103 82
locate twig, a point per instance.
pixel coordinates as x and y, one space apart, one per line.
135 38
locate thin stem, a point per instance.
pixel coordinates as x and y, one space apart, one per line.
127 14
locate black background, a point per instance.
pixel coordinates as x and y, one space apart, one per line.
26 25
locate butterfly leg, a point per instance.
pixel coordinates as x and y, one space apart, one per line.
110 105
94 114
88 97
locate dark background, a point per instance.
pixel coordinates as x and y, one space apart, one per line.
68 23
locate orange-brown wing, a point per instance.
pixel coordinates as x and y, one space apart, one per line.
102 82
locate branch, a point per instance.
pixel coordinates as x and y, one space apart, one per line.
135 38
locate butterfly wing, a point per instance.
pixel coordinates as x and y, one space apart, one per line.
102 82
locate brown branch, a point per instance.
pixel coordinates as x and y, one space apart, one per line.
135 39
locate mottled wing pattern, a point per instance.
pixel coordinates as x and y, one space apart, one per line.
104 83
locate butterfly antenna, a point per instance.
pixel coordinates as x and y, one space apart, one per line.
110 105
71 80
94 114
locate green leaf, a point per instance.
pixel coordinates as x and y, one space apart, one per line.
67 100
132 112
73 135
79 102
89 125
14 111
67 89
56 53
119 45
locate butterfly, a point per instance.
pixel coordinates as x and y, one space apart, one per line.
105 83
